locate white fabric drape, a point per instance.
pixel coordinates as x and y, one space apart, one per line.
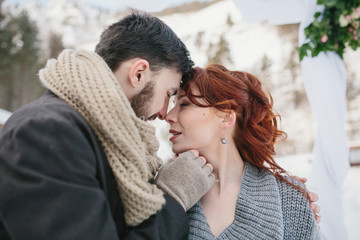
325 85
4 115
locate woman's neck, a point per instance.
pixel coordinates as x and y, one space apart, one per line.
228 166
219 203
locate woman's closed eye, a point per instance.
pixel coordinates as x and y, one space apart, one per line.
184 104
182 101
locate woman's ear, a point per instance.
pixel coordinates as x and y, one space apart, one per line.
228 120
138 73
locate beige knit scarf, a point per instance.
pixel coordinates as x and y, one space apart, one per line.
85 81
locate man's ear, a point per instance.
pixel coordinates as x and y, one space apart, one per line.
139 72
228 120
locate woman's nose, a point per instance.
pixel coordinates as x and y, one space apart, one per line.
170 116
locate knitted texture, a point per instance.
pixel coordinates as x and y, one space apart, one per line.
266 208
296 222
186 178
85 81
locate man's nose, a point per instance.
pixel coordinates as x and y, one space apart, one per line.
162 113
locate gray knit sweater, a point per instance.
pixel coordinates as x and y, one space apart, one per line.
266 208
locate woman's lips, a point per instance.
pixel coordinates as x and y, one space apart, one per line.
175 134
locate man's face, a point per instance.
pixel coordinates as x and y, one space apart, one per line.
153 99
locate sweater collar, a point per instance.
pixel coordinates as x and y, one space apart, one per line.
258 208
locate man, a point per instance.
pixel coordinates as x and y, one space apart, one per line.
79 162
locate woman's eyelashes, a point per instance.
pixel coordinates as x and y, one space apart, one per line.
184 104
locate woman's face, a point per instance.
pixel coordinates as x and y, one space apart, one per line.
193 127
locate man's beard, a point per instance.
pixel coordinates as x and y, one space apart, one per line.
141 102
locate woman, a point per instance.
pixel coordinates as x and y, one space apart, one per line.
228 118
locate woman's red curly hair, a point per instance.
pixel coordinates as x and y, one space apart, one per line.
257 125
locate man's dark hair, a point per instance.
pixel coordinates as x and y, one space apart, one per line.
144 36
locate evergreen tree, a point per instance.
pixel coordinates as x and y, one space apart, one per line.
55 45
19 62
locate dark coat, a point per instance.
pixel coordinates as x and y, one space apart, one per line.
56 183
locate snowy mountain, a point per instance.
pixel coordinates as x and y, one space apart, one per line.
216 33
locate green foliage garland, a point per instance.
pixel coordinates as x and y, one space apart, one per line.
334 29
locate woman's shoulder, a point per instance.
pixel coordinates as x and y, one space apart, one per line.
291 195
299 220
256 174
287 187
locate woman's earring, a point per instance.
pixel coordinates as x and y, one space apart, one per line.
223 140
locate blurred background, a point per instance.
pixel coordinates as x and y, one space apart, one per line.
32 31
